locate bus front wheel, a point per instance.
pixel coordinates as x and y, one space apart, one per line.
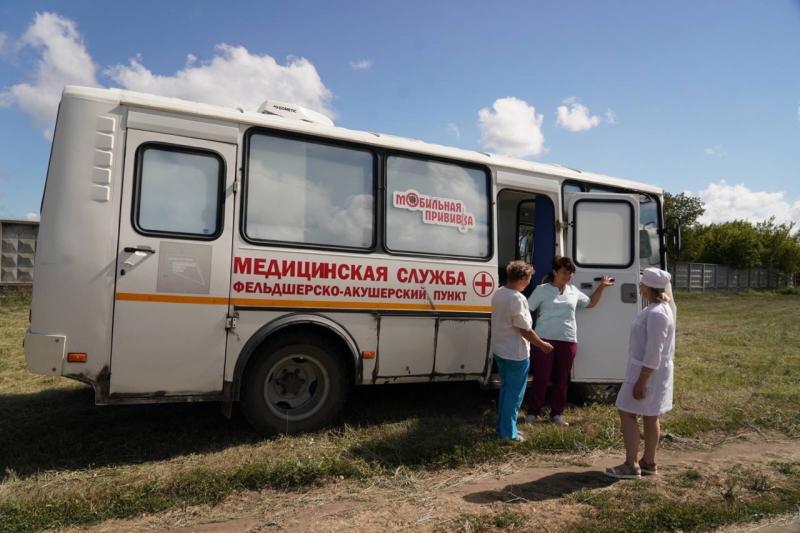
294 388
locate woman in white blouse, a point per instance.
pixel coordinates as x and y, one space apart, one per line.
647 390
511 338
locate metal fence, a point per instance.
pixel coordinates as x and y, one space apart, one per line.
18 238
710 277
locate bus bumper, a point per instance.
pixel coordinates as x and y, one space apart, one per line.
44 353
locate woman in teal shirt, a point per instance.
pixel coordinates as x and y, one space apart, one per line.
556 302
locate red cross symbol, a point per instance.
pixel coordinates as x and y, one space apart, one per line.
483 284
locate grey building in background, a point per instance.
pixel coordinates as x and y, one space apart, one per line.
18 239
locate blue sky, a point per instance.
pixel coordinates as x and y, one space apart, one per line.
691 96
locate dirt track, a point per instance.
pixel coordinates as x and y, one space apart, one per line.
532 487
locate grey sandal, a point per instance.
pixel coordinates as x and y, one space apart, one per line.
624 471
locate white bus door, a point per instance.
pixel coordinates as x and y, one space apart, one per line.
173 266
603 239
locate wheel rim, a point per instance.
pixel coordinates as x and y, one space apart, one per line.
296 387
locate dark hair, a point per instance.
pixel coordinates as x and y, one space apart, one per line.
563 262
517 270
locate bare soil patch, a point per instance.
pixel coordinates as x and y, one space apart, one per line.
518 493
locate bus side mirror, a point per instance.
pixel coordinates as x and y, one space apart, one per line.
677 241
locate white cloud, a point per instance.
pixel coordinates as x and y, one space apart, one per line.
715 150
64 60
725 202
3 41
453 130
512 127
361 64
574 116
233 78
32 217
611 117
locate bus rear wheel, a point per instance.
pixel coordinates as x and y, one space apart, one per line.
294 388
589 393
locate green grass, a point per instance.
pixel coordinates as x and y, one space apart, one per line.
738 364
690 503
689 478
64 461
500 521
787 468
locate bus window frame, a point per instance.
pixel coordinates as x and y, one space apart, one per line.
297 136
491 236
585 186
631 237
137 190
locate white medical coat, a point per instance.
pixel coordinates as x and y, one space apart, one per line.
651 344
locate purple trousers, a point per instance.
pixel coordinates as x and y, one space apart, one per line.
553 367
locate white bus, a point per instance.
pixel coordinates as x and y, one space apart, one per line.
189 252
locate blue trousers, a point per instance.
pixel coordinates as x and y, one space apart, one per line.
513 378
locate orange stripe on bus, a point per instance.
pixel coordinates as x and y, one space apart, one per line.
260 302
357 305
171 298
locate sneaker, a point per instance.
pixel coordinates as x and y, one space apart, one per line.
648 469
624 471
532 419
558 419
519 438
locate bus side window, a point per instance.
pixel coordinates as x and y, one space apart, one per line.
309 193
437 208
179 192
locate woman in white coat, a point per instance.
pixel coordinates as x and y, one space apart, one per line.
647 390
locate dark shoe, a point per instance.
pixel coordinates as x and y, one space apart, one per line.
648 469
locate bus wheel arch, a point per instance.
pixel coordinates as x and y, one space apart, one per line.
295 378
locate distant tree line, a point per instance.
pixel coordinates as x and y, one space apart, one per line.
738 244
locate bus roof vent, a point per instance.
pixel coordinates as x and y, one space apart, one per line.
295 112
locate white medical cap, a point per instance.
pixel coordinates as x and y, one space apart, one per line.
656 278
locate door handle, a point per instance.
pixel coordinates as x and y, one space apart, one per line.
136 252
134 249
586 285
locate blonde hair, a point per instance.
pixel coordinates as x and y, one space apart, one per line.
658 295
517 270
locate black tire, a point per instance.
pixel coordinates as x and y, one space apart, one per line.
294 387
589 393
